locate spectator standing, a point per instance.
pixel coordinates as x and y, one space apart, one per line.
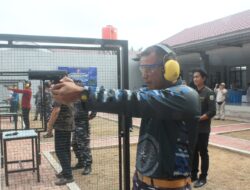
248 93
81 138
221 93
208 110
63 122
38 103
14 102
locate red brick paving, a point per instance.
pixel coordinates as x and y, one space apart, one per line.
218 139
28 180
230 128
230 142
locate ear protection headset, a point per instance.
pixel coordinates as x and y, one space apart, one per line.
171 66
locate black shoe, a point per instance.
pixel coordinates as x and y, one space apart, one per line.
79 165
87 170
35 119
63 181
200 183
48 135
59 175
194 178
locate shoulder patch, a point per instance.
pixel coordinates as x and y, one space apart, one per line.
211 97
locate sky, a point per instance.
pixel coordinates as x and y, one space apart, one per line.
142 23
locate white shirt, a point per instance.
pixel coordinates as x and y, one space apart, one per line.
220 94
248 94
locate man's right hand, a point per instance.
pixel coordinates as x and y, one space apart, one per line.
66 91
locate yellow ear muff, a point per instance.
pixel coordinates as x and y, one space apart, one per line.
172 70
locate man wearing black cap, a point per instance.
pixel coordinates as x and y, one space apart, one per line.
208 110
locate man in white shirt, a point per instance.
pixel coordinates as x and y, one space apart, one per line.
248 93
221 93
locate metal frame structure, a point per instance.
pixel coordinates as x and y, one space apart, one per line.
121 49
35 152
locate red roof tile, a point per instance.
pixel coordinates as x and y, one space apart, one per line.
230 24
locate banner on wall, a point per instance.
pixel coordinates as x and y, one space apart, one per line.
88 75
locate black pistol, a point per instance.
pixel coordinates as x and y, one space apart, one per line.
53 76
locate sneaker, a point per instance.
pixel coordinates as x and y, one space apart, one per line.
63 181
47 135
199 183
59 175
79 165
87 170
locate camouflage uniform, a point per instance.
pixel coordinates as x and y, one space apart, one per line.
81 139
38 102
47 105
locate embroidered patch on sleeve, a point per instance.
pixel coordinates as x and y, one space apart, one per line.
211 97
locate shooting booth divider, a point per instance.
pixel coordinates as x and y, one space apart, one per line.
95 62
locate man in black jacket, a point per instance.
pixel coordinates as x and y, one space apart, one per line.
169 113
208 110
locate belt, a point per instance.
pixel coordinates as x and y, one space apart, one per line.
164 183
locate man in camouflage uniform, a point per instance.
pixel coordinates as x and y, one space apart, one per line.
47 101
48 109
81 139
38 103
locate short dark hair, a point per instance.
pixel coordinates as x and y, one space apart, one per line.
28 82
47 84
202 72
162 55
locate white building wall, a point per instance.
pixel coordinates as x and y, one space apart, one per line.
43 59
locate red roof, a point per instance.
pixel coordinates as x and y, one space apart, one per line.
230 24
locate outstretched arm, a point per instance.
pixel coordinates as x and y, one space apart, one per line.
175 102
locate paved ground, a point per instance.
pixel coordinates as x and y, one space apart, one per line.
218 139
28 180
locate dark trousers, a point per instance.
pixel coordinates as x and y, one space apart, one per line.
14 108
26 113
38 112
139 185
201 150
62 148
